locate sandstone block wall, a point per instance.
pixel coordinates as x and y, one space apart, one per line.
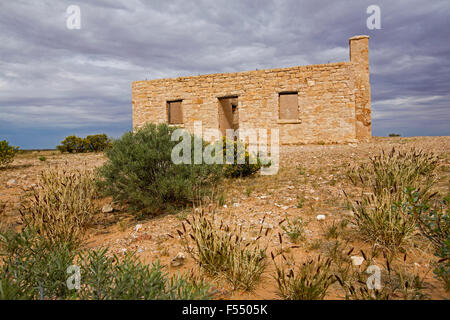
333 99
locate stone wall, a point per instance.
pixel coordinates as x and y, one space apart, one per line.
333 99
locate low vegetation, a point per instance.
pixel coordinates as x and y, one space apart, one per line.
379 281
140 173
35 268
223 251
7 153
294 228
61 205
381 212
310 281
434 224
243 163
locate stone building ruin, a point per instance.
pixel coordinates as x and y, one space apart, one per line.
327 103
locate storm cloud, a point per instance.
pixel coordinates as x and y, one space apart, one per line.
55 81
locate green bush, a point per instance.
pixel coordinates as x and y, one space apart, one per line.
105 278
35 268
241 154
140 172
434 223
97 143
7 152
92 143
72 144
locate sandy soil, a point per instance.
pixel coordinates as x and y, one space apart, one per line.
310 182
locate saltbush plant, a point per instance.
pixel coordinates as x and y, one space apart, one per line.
7 153
140 172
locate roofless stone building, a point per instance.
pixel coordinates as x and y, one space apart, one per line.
308 104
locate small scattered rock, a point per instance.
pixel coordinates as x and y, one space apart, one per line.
107 208
357 260
320 217
137 227
11 183
349 213
178 260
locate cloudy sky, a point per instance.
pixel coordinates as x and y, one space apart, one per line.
55 81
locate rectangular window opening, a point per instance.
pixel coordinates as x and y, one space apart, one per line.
175 112
288 103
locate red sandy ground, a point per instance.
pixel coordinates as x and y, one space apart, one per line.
319 184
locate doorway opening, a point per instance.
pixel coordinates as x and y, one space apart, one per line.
228 114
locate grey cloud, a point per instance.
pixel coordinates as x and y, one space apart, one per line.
52 77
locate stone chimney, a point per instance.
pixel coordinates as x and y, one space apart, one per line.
359 58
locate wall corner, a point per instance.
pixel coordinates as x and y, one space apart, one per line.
359 58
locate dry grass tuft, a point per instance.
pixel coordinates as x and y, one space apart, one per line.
310 281
381 213
61 205
223 251
395 171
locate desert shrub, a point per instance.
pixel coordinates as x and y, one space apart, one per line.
434 224
224 252
97 143
243 163
42 158
34 268
140 172
394 135
310 281
72 144
61 205
294 229
7 153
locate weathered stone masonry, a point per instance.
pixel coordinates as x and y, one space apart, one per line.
333 100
